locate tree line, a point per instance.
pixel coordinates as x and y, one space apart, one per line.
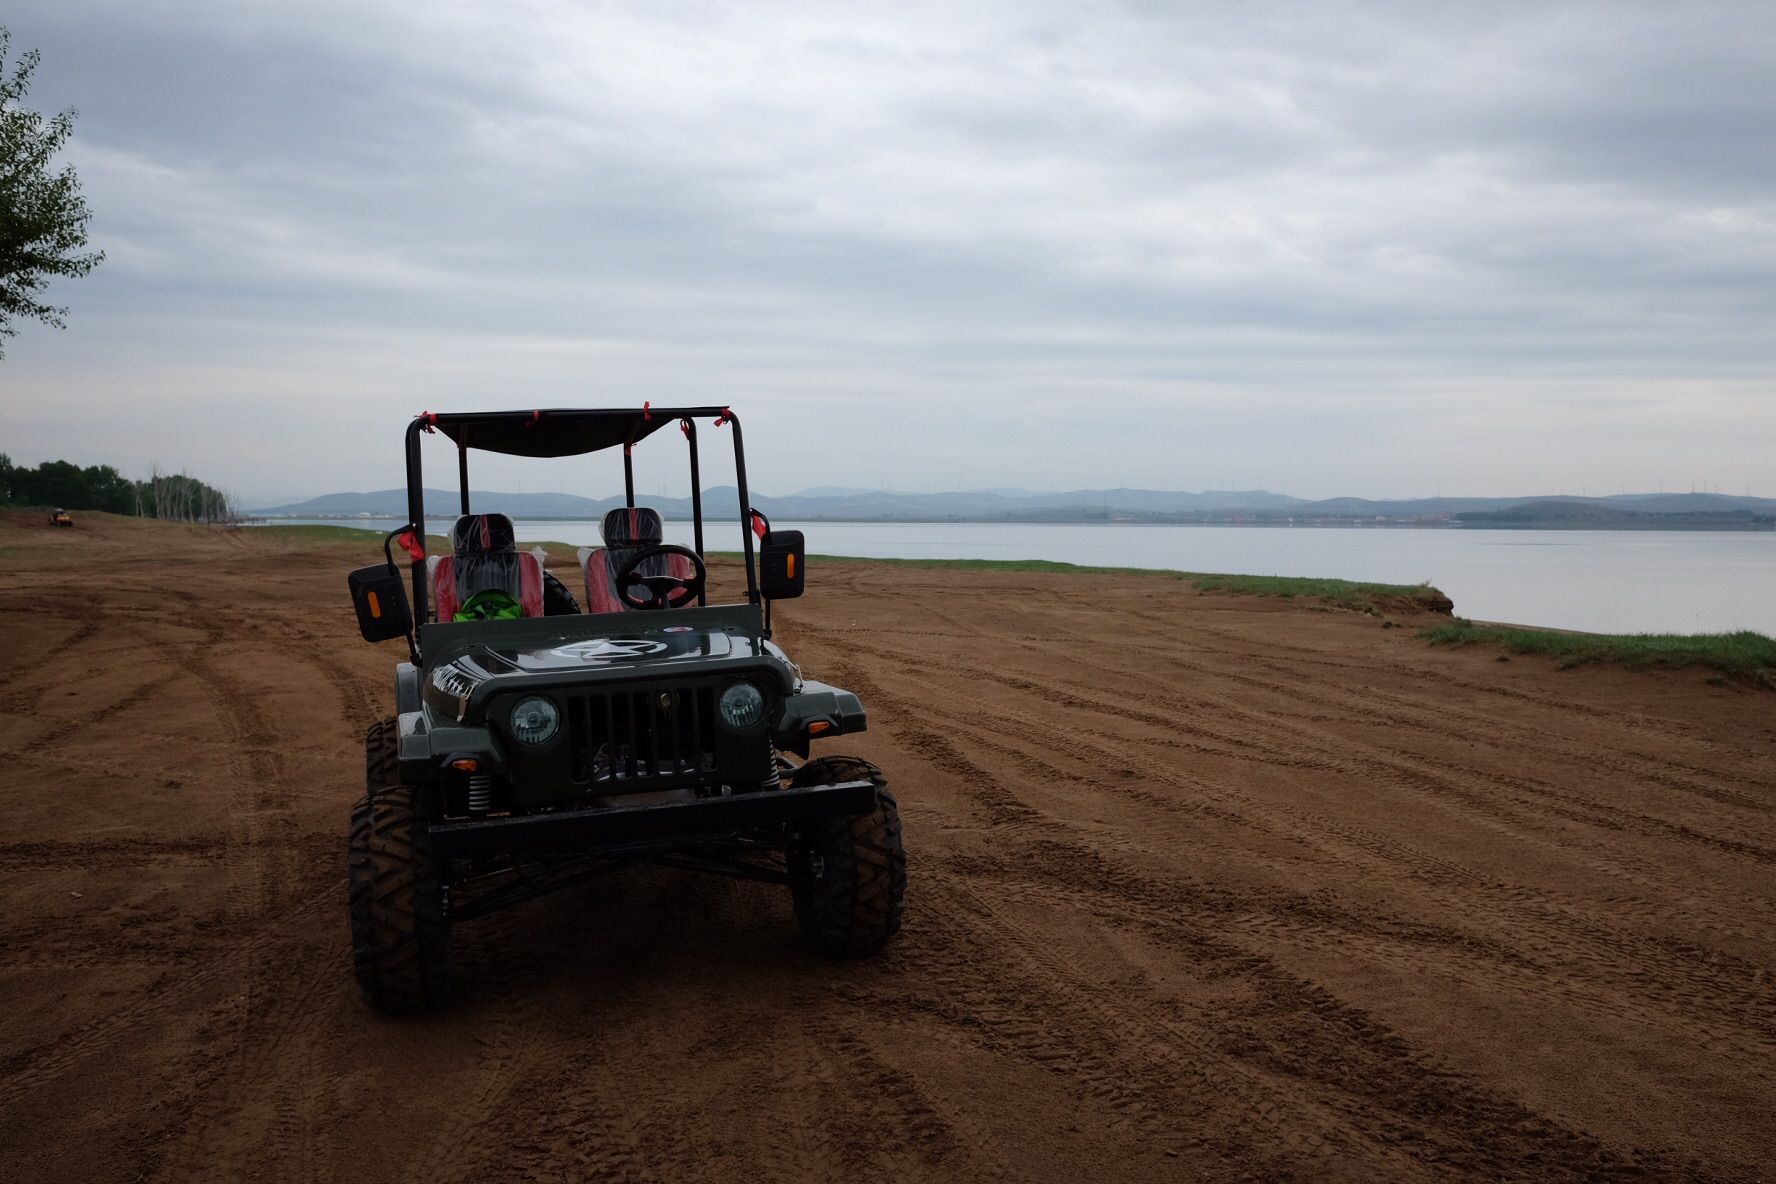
175 497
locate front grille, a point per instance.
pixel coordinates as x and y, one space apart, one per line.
656 735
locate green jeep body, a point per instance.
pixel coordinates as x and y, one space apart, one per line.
525 755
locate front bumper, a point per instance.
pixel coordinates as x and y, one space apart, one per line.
588 831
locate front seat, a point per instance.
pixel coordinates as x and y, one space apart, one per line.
625 532
486 559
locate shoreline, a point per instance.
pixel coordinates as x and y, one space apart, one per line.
1745 655
251 519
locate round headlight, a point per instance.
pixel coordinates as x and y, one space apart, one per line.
536 720
742 705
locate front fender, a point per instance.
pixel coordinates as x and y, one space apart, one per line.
815 703
424 747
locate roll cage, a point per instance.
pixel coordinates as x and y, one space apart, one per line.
568 432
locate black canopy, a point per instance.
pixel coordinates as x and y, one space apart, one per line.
556 432
569 432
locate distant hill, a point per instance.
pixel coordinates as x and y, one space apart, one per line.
1260 507
1569 515
392 503
1689 503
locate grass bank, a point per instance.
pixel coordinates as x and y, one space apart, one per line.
318 534
1744 654
1346 593
1363 597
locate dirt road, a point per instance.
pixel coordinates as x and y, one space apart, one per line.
1202 887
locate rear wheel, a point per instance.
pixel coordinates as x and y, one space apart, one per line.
557 600
848 875
400 938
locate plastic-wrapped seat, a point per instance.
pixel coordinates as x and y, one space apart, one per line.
485 559
626 532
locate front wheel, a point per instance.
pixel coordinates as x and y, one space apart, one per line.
848 875
400 937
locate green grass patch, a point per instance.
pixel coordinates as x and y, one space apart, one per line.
1348 593
312 535
1362 597
1741 653
1042 565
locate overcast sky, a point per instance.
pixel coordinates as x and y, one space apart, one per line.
1382 249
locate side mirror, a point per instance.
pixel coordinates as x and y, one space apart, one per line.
380 597
781 565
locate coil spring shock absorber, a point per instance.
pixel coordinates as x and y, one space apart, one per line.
480 793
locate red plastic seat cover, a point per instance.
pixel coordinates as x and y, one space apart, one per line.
487 558
627 531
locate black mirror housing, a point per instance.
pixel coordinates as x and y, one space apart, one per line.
782 565
380 597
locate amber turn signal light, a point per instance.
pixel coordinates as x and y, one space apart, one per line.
465 764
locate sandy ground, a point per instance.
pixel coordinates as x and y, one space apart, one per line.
1201 888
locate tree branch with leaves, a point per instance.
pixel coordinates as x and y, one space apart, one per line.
43 216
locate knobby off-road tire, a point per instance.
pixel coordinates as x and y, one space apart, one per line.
382 754
557 600
400 939
848 875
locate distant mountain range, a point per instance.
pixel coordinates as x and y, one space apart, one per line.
1256 506
1567 515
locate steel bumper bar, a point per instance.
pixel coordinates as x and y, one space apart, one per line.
621 826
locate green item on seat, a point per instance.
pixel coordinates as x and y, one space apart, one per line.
491 605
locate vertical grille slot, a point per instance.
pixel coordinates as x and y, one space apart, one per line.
705 719
659 735
652 729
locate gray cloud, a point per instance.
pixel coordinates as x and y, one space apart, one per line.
1330 249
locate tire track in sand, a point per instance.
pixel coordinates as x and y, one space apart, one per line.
1702 995
1416 1089
1482 803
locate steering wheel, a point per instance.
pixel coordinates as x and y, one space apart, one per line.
663 591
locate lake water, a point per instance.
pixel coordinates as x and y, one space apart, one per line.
1604 581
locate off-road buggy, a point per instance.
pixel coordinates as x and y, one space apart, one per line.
59 517
534 746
